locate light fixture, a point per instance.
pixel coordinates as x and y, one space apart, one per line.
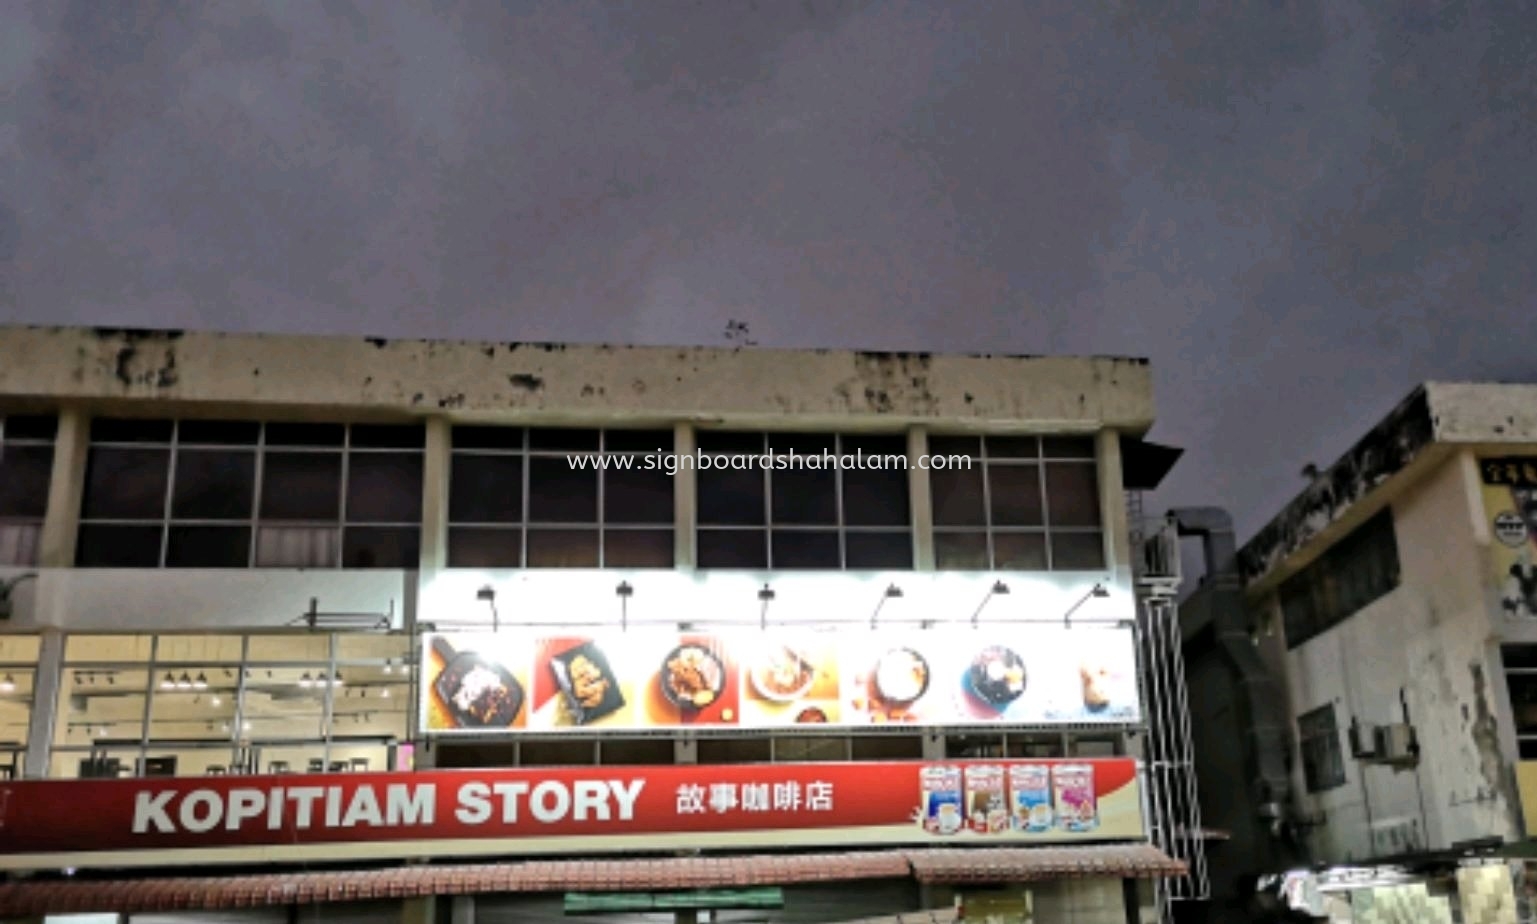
215 701
1098 591
8 684
201 683
488 594
336 678
389 666
765 597
384 693
998 589
304 679
624 592
184 682
168 682
892 592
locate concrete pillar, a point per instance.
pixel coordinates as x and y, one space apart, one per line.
934 745
462 910
435 467
685 499
921 499
685 751
1112 503
67 484
45 703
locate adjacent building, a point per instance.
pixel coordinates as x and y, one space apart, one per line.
583 624
1374 650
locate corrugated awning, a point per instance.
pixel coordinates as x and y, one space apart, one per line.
160 894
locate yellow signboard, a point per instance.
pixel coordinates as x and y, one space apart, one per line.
1510 503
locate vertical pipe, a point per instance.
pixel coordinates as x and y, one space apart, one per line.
66 487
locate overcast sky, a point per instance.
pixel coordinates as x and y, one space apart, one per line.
1296 210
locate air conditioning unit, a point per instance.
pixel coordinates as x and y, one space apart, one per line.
1397 745
1363 741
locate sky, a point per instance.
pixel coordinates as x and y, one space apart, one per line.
1297 211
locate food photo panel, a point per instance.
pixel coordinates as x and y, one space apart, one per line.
475 683
689 680
581 682
790 679
894 678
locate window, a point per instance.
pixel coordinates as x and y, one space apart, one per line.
18 659
241 494
26 468
807 509
1355 572
194 705
1027 504
560 498
1521 681
1323 760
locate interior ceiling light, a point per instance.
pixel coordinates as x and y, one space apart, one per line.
8 685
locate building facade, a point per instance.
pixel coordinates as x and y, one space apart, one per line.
248 557
1391 602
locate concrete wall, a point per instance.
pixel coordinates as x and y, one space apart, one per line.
556 383
1431 641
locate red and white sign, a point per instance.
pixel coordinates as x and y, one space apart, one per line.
565 809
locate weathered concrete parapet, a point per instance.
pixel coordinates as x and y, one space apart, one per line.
554 383
1433 415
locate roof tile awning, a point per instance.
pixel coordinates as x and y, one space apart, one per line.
1026 864
1032 864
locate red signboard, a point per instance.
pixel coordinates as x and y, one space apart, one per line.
513 811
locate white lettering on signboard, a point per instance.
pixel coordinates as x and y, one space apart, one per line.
626 796
819 796
410 805
690 799
722 797
509 794
755 797
550 801
149 810
474 804
787 796
363 809
244 804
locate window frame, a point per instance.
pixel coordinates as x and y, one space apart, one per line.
526 454
840 528
261 449
1321 595
1321 755
1046 530
27 528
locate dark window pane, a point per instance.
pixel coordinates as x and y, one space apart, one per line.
805 549
1077 551
388 436
381 547
802 444
126 484
1015 493
733 548
218 433
636 752
878 551
301 486
1072 492
637 440
637 496
875 446
955 446
306 434
1019 551
729 442
957 497
208 547
384 487
470 547
960 551
886 747
805 496
637 548
214 484
485 489
30 427
101 546
734 750
1519 657
1068 447
563 548
558 493
24 475
1012 447
488 437
566 439
1523 702
128 430
876 497
731 497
